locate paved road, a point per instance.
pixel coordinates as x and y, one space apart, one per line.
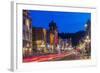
53 57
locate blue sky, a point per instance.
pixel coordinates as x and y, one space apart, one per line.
69 22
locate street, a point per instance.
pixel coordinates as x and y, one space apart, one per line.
72 55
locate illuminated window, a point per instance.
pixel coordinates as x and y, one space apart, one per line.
28 23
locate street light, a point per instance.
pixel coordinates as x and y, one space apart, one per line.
87 37
85 25
87 40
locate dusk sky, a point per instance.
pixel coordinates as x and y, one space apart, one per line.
69 22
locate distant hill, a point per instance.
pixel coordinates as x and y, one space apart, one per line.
74 36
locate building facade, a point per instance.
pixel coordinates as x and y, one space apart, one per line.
39 39
27 34
88 38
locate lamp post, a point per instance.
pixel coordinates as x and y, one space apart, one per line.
85 26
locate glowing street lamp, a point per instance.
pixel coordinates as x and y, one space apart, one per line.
87 40
87 37
85 25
